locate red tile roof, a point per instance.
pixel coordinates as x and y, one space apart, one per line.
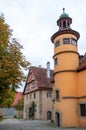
18 96
41 78
82 65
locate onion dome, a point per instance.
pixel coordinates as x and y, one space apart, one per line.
64 21
63 15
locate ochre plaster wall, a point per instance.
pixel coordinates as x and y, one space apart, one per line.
66 81
82 94
68 110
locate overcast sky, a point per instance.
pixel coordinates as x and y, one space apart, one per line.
34 22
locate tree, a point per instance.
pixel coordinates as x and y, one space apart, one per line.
7 98
5 32
20 105
12 60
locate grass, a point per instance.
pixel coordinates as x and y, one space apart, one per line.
1 119
18 117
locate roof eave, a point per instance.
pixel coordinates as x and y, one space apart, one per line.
65 31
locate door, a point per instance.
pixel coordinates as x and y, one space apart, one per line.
48 115
57 119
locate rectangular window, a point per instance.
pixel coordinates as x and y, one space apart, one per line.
57 94
34 95
33 84
66 41
83 110
55 61
57 43
30 95
49 95
73 41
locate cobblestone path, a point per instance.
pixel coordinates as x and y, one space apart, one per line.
14 124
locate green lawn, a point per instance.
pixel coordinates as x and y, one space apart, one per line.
1 118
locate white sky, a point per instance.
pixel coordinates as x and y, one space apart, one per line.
34 22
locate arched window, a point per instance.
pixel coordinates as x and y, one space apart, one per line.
68 24
64 24
60 24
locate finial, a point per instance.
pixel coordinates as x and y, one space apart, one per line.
63 10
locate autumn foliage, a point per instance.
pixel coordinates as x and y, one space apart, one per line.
12 60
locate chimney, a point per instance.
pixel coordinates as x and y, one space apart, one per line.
40 66
48 69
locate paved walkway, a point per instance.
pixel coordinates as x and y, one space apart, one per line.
14 124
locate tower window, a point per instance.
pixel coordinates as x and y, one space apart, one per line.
66 41
55 61
83 110
73 41
57 94
64 24
57 43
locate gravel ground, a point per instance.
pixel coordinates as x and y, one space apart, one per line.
15 124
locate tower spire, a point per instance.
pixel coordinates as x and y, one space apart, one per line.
63 10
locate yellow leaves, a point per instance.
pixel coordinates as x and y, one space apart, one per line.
12 60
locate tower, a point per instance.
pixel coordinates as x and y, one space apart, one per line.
66 61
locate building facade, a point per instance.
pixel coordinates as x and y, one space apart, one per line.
38 93
69 91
